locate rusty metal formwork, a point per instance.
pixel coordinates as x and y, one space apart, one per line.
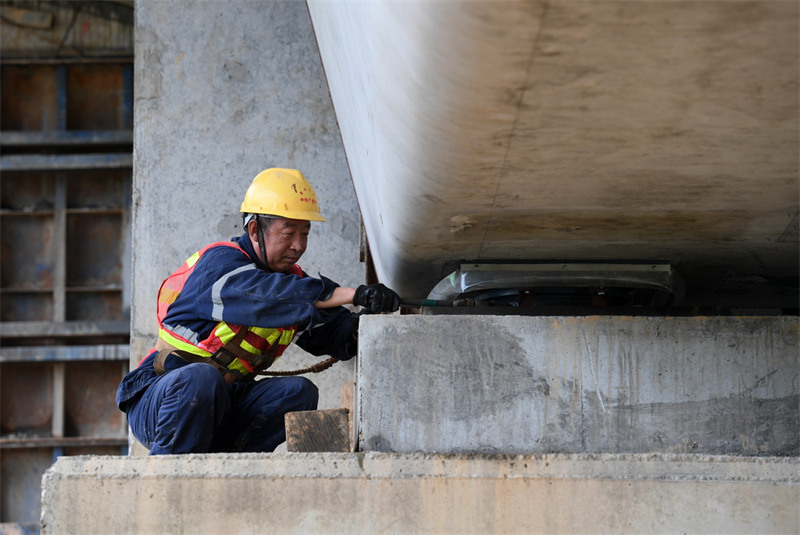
66 94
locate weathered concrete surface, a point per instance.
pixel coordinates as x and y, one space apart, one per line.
376 493
548 129
512 384
237 90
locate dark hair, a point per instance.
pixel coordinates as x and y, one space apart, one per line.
267 222
268 219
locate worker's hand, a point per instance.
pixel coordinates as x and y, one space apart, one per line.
376 298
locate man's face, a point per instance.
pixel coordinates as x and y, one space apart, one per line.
285 242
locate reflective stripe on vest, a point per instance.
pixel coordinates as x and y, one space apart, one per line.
263 344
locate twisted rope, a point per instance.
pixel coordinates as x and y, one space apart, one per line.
316 368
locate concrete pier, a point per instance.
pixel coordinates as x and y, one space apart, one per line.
495 424
613 384
368 493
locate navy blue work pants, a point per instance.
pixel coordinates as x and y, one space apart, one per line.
193 410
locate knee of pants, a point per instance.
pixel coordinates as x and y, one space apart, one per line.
303 391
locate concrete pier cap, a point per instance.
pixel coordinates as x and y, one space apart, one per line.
372 492
594 384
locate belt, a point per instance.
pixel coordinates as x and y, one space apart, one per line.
165 350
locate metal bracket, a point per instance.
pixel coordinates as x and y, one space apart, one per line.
472 277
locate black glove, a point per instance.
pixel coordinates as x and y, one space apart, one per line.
376 298
351 349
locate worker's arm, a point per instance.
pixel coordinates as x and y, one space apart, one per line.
336 335
340 296
374 297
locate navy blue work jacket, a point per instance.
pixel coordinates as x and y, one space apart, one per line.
222 288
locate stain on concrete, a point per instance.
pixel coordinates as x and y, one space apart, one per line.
594 384
490 369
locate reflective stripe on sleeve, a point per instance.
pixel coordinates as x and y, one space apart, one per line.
216 291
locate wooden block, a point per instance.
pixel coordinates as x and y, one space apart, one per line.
348 394
348 402
322 430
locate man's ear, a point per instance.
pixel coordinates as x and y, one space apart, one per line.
252 228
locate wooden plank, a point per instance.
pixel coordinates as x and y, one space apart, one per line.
322 430
349 403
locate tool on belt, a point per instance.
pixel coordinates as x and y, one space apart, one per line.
230 375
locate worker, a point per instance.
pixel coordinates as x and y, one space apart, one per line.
226 314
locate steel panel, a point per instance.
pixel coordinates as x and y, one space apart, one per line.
94 256
21 474
95 97
27 251
89 405
29 99
26 399
94 305
98 189
29 192
26 307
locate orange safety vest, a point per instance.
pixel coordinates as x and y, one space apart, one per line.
239 351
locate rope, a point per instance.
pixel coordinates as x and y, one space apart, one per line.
316 368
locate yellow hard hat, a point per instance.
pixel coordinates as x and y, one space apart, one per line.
283 193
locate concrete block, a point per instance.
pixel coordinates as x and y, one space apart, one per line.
375 493
513 384
238 90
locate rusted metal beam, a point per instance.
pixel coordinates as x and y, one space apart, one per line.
45 57
59 374
56 162
29 329
66 442
66 138
120 352
60 249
